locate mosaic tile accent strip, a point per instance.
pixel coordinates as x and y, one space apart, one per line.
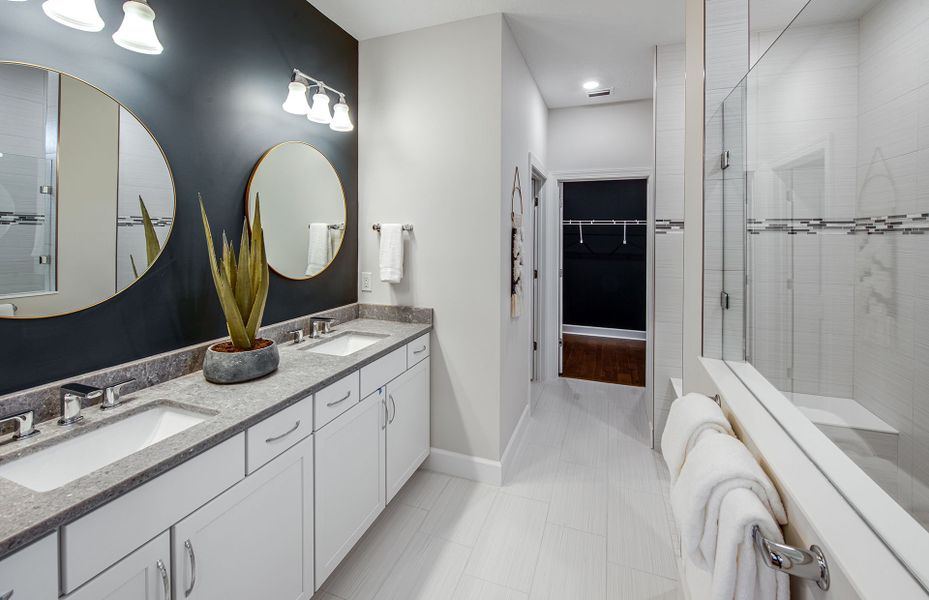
7 218
133 221
915 224
667 226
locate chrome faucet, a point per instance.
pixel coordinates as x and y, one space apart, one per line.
320 326
72 401
112 395
24 422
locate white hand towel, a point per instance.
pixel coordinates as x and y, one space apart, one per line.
690 417
739 574
319 249
391 255
716 466
7 310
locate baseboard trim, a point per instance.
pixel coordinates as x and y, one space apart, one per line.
474 468
509 455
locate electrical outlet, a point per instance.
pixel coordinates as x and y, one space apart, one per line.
366 282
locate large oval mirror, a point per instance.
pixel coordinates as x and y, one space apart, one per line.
302 209
86 195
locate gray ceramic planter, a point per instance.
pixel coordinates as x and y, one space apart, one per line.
239 367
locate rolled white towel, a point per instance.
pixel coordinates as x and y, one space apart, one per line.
690 417
739 574
717 465
391 252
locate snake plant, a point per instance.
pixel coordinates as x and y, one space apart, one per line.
242 285
152 245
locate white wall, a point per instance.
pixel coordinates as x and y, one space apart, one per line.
525 120
430 136
603 136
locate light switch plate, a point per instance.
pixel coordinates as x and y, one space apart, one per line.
366 282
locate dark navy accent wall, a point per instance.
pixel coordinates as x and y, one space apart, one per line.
213 101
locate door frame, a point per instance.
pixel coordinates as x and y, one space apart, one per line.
537 172
551 340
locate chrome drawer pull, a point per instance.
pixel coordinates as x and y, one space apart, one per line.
193 567
165 582
347 396
285 434
420 351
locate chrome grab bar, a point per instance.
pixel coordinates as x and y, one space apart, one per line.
796 562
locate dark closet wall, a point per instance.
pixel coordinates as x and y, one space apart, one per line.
604 279
213 101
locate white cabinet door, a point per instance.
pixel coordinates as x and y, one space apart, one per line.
407 425
349 481
143 575
31 572
255 540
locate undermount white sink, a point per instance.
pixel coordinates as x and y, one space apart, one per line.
345 344
62 463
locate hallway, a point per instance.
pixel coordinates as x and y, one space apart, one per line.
584 515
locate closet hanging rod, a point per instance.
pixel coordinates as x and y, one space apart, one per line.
604 222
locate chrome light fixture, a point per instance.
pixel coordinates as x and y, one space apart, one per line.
319 112
296 103
137 33
77 14
340 118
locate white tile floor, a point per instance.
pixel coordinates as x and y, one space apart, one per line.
585 516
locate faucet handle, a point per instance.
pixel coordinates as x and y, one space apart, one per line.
298 335
112 393
25 424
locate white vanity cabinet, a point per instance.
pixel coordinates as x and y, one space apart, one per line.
349 481
31 572
143 575
407 425
253 541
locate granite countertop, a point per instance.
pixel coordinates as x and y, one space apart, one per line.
26 515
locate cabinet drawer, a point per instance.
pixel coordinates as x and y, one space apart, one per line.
337 398
382 370
31 572
100 539
417 350
277 433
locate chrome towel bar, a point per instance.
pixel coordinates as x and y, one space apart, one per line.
377 227
796 562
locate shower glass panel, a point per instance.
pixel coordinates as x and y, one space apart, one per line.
817 214
27 226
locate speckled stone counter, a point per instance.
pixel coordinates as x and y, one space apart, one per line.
26 515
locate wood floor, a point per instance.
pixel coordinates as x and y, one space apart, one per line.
604 359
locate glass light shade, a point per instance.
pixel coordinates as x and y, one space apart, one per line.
296 103
77 14
340 119
137 33
319 113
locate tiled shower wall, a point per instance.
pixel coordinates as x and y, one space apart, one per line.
669 239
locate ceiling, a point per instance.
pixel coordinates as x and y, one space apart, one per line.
565 42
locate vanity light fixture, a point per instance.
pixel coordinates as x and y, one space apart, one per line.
77 14
137 33
296 102
340 118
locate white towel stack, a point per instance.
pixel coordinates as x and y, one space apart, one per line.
391 254
319 251
690 418
718 494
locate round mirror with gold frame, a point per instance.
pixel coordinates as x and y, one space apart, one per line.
87 199
302 209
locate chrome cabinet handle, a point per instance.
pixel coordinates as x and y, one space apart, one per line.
386 414
347 396
165 582
285 434
7 595
421 350
193 567
394 404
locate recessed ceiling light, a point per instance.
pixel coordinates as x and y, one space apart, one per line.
591 85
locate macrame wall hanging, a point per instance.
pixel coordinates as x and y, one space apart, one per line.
516 288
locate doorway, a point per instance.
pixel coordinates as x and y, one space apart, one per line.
603 280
